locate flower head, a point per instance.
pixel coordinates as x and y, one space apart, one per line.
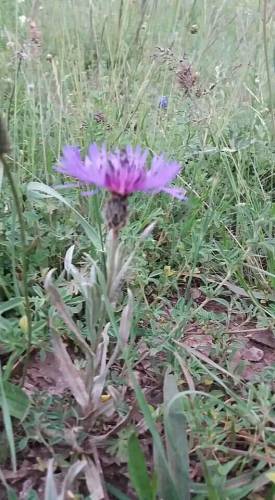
163 102
121 172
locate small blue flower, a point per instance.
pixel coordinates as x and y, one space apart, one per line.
163 102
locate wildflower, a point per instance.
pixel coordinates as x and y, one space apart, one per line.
30 88
163 102
35 34
22 20
10 45
122 172
194 29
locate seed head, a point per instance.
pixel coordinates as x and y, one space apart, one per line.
186 77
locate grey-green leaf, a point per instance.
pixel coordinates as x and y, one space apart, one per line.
177 446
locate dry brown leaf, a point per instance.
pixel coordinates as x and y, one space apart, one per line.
252 354
264 337
93 481
65 314
195 293
44 375
70 373
201 342
126 320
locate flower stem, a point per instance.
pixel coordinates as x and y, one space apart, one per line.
111 258
267 67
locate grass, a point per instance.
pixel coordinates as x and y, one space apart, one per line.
208 268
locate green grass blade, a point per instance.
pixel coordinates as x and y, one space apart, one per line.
176 437
138 470
116 492
38 188
165 482
7 421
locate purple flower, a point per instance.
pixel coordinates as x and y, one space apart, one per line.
163 102
122 172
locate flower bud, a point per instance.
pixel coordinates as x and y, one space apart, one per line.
116 212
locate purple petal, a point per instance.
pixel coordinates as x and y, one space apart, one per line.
97 156
71 157
137 156
96 164
176 193
122 171
72 164
160 174
90 171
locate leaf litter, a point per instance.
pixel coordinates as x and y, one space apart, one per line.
46 375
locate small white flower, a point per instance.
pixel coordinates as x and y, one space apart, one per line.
30 87
22 20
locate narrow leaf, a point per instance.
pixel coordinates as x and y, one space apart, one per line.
138 470
93 481
50 486
170 388
126 320
177 445
38 188
116 492
71 374
71 474
7 421
165 482
64 313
